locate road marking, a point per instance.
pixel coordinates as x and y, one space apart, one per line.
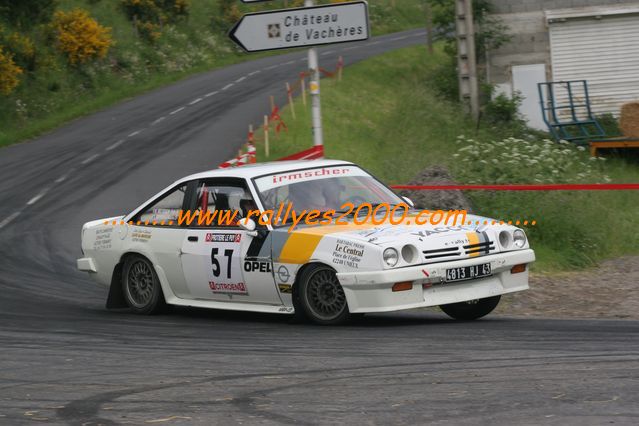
91 158
115 145
241 79
8 219
194 101
271 67
227 86
374 43
137 132
290 62
61 179
254 72
211 94
158 120
37 197
177 110
398 38
351 48
327 53
302 60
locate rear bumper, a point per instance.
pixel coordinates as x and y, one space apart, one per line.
372 291
86 264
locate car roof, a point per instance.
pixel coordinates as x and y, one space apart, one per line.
259 169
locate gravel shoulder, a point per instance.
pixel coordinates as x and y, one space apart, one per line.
607 291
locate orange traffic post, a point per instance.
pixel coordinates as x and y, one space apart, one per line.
340 67
290 99
266 147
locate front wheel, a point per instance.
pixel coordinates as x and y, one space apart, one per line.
471 310
321 296
141 286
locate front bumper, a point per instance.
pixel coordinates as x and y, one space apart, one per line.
372 291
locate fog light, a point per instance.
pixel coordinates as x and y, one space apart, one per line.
403 286
518 269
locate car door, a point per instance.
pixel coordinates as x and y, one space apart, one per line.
219 259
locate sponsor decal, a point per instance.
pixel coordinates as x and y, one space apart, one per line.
257 266
223 238
283 274
441 229
103 239
228 288
348 253
286 309
141 235
285 288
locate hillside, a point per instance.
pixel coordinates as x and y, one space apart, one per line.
57 63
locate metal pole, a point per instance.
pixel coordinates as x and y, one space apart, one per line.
314 85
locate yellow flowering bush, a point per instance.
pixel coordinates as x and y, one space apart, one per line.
9 73
149 16
80 37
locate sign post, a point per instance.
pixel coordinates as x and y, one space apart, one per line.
310 25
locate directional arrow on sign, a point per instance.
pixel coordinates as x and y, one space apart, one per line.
303 26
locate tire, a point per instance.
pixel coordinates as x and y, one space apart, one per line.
321 296
471 310
141 286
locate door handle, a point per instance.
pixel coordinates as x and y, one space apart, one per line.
193 239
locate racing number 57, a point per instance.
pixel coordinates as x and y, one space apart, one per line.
228 253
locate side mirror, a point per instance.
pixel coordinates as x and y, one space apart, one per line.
249 226
409 202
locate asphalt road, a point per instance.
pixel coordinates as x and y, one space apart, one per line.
64 359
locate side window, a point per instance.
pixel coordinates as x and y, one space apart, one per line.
165 211
222 205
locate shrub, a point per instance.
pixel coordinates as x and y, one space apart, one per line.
80 37
22 49
502 109
9 73
25 14
149 16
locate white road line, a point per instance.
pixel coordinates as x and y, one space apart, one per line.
61 179
37 197
374 43
398 38
177 110
137 132
327 52
211 94
271 67
254 72
194 101
302 60
241 79
115 145
8 219
228 86
351 48
419 34
289 62
158 120
91 158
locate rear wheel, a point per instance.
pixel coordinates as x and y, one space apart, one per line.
471 310
322 297
141 286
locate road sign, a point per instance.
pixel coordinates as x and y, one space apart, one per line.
303 26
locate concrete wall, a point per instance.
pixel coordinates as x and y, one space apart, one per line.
530 43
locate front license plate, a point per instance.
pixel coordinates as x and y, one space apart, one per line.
468 272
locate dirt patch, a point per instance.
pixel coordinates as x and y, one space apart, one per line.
432 200
608 291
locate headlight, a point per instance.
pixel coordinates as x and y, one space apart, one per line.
519 238
505 239
391 257
409 253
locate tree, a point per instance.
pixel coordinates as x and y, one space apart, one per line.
25 14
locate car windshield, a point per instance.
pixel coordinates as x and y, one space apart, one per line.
323 189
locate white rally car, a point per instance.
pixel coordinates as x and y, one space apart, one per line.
325 271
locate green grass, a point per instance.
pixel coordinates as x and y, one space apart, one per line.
55 93
386 116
